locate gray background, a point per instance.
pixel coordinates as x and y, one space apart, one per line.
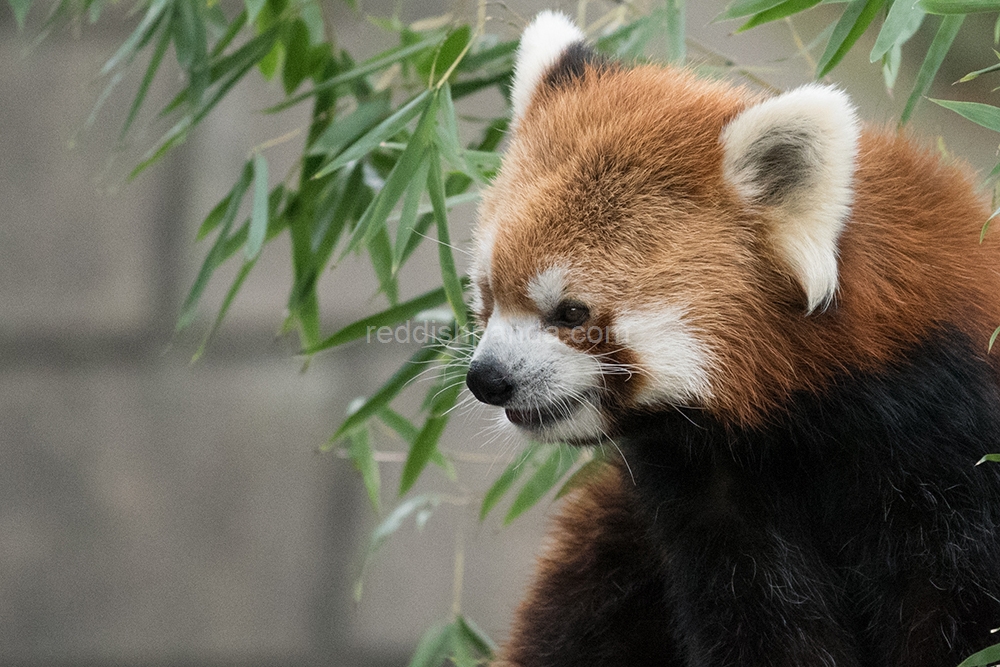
158 512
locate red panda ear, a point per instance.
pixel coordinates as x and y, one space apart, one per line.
793 156
543 43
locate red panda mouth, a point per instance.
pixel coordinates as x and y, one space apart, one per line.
535 417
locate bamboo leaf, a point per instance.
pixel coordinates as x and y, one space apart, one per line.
344 131
384 130
20 9
475 637
559 461
985 115
746 8
369 326
676 30
147 79
145 28
932 62
434 647
989 458
993 339
425 444
586 473
778 12
506 480
411 369
449 276
852 24
234 289
408 216
361 455
259 214
901 23
988 656
962 7
979 72
422 505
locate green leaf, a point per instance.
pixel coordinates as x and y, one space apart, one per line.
259 214
979 72
901 23
447 128
932 62
989 458
506 480
369 326
408 216
142 32
993 339
20 9
218 252
425 444
225 211
234 289
380 254
361 455
147 79
962 7
988 656
374 218
852 24
421 505
449 275
981 114
475 637
398 423
444 57
434 647
589 471
411 369
384 130
561 458
778 12
676 31
253 9
746 8
375 64
344 131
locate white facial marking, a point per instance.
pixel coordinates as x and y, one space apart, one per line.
673 362
546 289
819 124
549 376
541 45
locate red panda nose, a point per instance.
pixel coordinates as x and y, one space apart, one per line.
488 382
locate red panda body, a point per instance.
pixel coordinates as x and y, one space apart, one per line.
780 319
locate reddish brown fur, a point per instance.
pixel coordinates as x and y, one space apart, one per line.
618 175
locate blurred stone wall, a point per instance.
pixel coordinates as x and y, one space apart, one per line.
154 511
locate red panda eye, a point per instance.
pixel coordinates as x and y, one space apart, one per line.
570 314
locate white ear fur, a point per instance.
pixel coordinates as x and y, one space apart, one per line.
541 45
794 155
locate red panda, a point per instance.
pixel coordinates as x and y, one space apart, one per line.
780 317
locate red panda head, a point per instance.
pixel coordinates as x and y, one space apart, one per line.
642 218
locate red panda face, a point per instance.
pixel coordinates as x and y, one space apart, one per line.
641 216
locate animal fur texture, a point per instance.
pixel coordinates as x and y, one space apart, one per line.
780 317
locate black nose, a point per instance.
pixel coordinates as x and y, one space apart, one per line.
488 382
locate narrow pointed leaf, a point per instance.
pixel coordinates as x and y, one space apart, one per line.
400 424
20 9
234 289
938 49
958 7
449 276
147 79
259 214
979 72
475 637
424 445
988 656
434 647
778 12
425 503
981 114
342 132
361 455
127 50
380 254
506 480
559 461
856 18
743 8
676 29
369 326
408 216
384 130
989 458
901 23
586 473
411 369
